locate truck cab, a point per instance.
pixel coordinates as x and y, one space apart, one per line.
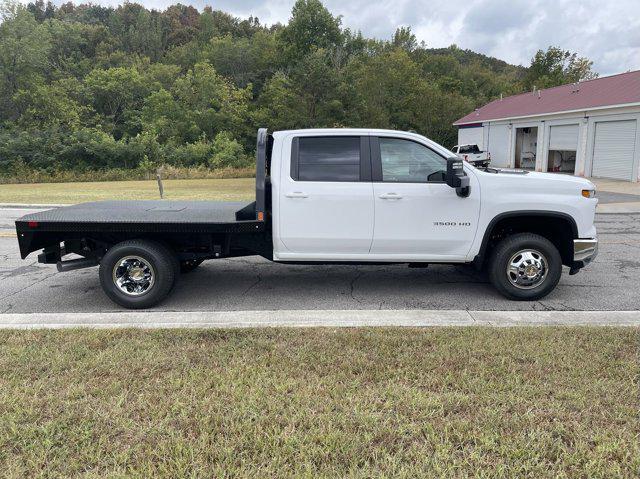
368 195
338 196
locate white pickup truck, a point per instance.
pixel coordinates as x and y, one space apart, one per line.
336 196
473 154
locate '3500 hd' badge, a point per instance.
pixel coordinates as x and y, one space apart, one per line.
451 223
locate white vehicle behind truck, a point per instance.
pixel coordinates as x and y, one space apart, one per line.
473 154
336 196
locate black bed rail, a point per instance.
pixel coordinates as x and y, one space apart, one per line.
261 173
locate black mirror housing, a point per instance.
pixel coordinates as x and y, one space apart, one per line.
456 177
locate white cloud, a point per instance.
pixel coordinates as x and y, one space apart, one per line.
605 31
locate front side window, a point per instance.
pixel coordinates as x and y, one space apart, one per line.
328 159
405 161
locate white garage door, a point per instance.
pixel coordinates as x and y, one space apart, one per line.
471 136
614 149
563 138
499 145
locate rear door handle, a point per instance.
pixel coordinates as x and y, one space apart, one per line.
390 196
297 194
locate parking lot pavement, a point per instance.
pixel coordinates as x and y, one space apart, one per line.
617 196
245 284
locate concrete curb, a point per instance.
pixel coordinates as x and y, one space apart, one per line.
20 206
317 318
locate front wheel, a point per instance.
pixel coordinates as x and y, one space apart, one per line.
525 267
138 274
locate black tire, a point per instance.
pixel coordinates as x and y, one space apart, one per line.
143 255
189 265
538 247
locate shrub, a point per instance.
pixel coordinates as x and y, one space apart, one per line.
227 152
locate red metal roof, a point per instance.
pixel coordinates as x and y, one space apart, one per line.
601 92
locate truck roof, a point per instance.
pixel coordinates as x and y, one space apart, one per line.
343 131
365 131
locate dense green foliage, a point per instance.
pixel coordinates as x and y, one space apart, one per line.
88 87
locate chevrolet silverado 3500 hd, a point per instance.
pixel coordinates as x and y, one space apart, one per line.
336 196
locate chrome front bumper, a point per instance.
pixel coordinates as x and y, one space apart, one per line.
584 251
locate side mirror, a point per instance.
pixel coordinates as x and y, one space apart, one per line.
456 177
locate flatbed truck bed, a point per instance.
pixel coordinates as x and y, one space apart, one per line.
137 217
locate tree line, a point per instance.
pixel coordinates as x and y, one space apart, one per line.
86 87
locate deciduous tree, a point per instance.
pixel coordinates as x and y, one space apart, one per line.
24 46
556 67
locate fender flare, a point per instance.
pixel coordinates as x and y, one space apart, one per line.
479 258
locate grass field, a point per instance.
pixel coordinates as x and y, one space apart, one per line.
539 402
207 189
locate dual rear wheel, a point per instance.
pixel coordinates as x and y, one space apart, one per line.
138 274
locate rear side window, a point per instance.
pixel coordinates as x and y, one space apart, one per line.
326 158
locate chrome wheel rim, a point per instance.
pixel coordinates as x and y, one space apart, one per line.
527 269
133 275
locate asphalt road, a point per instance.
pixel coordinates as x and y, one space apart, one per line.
242 284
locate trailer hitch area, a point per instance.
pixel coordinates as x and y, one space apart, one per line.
54 254
78 263
51 254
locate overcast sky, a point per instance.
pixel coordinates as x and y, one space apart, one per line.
605 31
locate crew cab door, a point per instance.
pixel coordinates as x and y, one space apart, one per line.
326 198
417 215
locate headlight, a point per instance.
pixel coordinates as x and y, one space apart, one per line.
589 193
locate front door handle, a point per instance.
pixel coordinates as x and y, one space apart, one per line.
390 196
297 194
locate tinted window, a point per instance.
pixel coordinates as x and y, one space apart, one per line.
406 161
328 159
470 149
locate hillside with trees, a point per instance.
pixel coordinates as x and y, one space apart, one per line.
92 88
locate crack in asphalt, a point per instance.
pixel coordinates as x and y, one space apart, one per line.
565 306
545 307
28 286
20 270
256 283
352 285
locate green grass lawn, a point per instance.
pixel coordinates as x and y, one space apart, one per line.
480 402
208 189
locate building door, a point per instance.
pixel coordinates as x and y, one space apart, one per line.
614 149
471 135
563 145
526 148
498 144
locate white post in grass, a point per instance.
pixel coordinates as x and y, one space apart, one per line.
160 186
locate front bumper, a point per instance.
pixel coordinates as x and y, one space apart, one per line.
584 251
